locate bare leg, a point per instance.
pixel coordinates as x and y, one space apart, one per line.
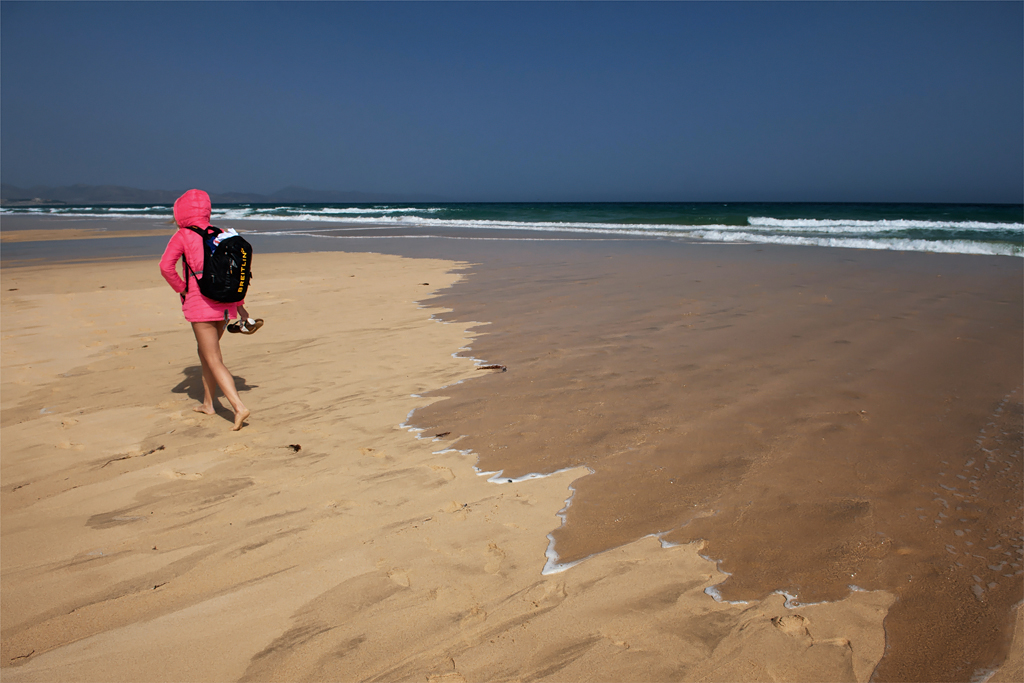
215 373
207 406
209 389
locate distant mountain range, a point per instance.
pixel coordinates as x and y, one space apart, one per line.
117 195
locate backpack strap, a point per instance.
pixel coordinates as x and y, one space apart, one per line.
188 270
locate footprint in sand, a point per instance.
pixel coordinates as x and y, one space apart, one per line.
793 625
68 422
400 577
67 445
495 557
546 593
445 472
234 448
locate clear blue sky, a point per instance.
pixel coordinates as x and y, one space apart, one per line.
689 101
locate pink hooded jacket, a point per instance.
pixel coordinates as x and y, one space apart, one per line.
192 209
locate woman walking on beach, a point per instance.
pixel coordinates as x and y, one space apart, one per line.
208 317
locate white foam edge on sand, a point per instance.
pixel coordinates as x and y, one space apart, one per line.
792 602
497 478
552 564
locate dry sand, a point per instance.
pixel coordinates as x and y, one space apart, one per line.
144 542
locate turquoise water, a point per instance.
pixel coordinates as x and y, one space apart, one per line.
994 229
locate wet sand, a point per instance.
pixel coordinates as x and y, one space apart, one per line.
822 418
792 407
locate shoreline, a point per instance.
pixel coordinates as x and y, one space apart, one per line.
642 551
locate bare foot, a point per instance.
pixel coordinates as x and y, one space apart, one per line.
208 410
240 418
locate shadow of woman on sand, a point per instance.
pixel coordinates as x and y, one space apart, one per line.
192 386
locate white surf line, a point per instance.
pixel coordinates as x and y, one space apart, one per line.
665 544
437 389
468 451
497 478
793 603
792 600
553 566
594 235
307 233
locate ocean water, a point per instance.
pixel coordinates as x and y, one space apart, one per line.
991 229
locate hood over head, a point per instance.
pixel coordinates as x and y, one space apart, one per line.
192 209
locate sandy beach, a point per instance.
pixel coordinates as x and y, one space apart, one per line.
327 541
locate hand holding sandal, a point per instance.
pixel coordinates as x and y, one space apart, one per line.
248 326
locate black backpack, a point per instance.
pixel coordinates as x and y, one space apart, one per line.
227 266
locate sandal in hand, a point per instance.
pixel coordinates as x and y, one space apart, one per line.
246 326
